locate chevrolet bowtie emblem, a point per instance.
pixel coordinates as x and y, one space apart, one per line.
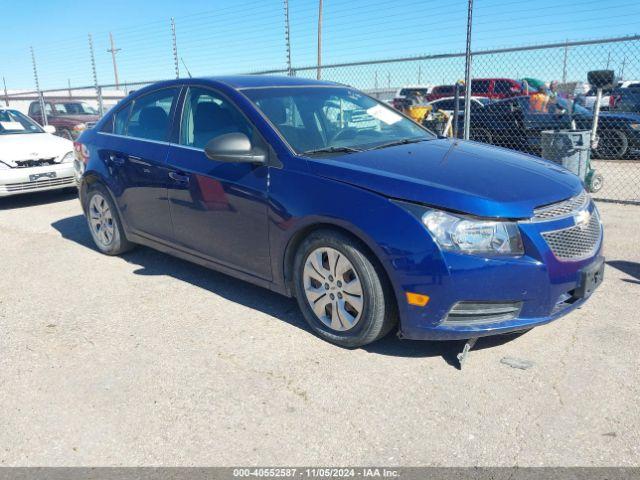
582 218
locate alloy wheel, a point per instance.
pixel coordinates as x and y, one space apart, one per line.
101 220
332 288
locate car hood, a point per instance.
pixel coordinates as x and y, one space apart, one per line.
31 146
466 177
626 116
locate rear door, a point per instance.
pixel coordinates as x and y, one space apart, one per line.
136 151
218 209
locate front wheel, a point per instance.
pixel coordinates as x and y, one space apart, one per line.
344 296
104 222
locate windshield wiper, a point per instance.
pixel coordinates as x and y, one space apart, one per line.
332 150
404 141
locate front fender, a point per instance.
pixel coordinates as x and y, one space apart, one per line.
301 202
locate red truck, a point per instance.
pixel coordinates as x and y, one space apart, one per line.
493 88
69 117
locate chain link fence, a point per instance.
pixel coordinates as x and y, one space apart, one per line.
516 94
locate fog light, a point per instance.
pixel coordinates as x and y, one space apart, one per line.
482 312
417 299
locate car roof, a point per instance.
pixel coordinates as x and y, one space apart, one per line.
240 82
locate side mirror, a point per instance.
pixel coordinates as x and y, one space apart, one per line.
233 147
49 129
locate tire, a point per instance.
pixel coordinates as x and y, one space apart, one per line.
104 222
353 300
65 133
481 135
596 182
612 144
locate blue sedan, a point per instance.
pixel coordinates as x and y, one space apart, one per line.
318 191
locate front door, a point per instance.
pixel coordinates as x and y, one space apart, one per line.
218 209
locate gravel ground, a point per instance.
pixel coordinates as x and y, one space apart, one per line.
149 360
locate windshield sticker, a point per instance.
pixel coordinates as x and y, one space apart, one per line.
12 125
384 115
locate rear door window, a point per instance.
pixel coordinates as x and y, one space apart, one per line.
121 119
150 115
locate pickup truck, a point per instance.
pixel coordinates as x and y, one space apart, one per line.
69 117
626 99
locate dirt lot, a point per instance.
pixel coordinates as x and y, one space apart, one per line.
150 360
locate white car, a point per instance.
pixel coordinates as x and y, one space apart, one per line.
31 158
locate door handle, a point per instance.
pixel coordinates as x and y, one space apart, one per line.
116 159
139 161
179 177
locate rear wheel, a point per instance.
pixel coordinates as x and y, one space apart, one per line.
612 144
343 295
481 135
104 222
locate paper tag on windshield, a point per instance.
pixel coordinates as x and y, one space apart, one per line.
12 125
384 115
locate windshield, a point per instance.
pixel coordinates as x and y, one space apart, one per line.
13 122
75 108
338 118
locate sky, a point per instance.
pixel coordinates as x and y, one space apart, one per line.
243 36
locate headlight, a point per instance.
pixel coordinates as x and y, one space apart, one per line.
80 126
635 126
69 157
468 235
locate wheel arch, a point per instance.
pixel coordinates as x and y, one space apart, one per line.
370 247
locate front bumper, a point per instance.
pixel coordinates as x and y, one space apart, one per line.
546 287
15 181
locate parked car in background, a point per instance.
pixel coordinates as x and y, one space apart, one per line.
492 88
365 222
409 95
607 101
625 99
68 117
439 116
31 158
512 123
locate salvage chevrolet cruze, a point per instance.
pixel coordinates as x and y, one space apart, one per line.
317 191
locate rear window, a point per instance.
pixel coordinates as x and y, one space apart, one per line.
444 90
480 86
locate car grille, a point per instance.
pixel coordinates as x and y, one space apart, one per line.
561 209
40 162
26 186
577 242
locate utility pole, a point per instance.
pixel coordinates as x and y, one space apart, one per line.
319 75
419 74
608 59
564 63
287 37
624 62
113 50
467 75
69 87
175 47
